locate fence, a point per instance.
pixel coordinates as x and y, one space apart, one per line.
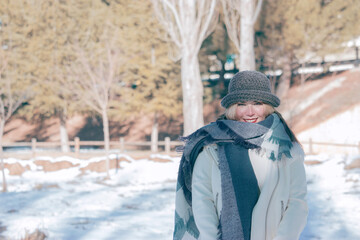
311 146
120 145
167 145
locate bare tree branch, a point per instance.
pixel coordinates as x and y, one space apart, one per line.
240 17
211 20
188 23
96 76
165 19
257 11
232 21
175 13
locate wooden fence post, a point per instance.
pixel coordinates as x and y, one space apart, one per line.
167 145
310 146
33 147
154 144
122 144
77 145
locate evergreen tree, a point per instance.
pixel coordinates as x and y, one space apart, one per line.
297 31
156 76
53 29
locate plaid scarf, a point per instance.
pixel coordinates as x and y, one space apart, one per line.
268 136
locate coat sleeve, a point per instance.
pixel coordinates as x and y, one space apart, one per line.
204 209
295 215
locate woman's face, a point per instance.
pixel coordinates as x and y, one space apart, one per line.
252 112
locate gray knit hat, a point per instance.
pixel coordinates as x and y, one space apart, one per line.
249 86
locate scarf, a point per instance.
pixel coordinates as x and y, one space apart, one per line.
233 139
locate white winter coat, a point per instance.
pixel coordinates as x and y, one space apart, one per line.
281 210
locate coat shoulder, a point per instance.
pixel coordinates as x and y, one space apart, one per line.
297 152
211 151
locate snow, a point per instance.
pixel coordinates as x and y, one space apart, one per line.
314 97
138 201
333 198
331 131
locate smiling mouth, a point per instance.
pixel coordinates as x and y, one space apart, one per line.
251 120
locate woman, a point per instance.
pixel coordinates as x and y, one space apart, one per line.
243 176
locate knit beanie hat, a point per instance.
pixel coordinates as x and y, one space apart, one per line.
249 86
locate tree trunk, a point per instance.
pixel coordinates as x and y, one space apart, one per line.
302 76
247 55
4 184
192 92
106 141
284 81
64 137
155 134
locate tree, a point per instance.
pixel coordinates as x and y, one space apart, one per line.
187 24
240 17
296 32
98 79
220 45
159 91
12 95
155 76
15 72
54 29
49 29
104 52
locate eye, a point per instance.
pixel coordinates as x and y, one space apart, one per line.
241 104
258 103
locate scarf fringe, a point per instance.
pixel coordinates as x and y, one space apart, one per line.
188 139
285 146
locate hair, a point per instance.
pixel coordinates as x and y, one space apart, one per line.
230 113
287 129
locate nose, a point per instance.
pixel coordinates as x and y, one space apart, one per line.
250 110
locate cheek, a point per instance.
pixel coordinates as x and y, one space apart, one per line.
239 113
261 111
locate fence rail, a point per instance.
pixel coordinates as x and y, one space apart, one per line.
121 145
312 143
124 146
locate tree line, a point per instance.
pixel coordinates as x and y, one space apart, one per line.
123 57
280 34
59 58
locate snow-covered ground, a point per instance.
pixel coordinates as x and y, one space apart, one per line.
138 201
333 198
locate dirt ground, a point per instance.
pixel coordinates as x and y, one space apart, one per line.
353 164
82 155
99 166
